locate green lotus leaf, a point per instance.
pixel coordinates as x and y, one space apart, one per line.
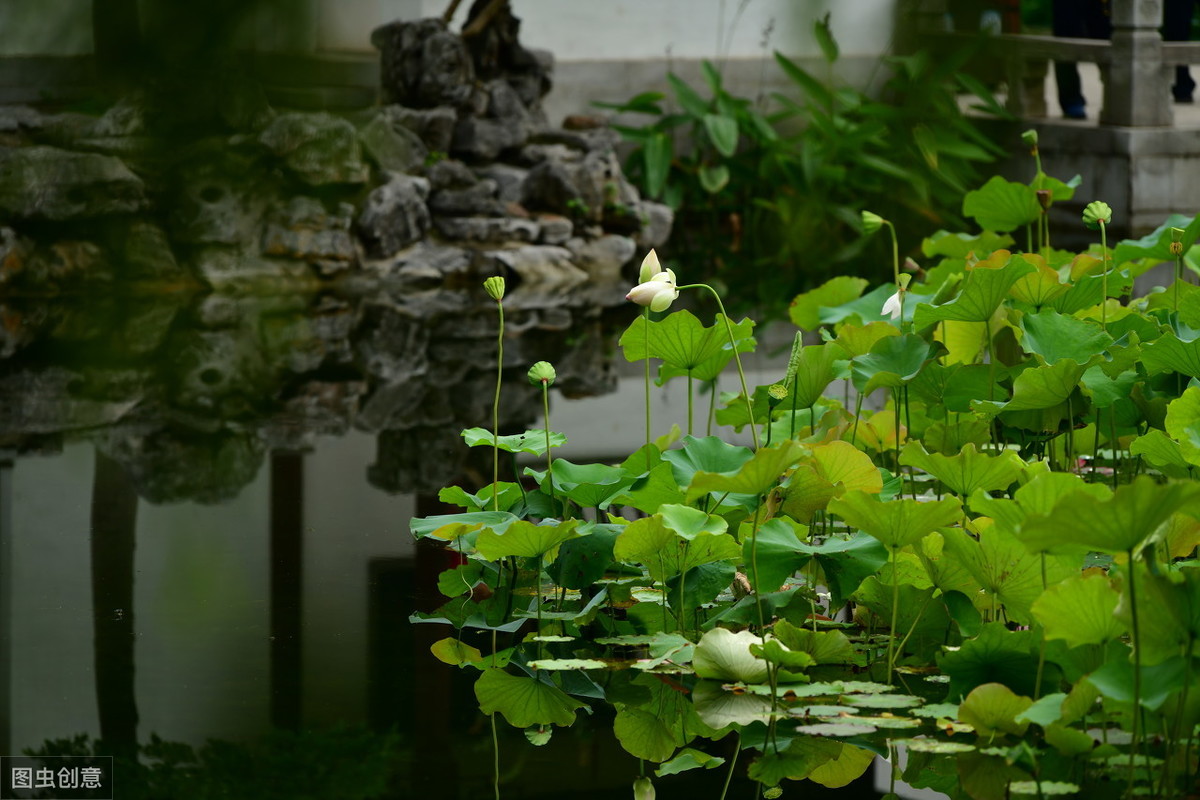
897 523
510 495
1169 353
1106 391
1183 423
458 581
869 307
774 651
453 526
858 340
779 553
834 729
950 439
817 367
665 553
700 585
589 485
846 563
825 647
1043 788
938 747
954 386
961 245
882 700
1037 388
806 492
685 345
524 701
1088 290
893 361
584 560
916 612
1004 567
453 652
1162 452
968 471
1041 494
849 765
996 655
845 467
805 309
1040 286
1079 610
1001 205
526 540
1159 681
723 655
1053 336
644 734
945 571
1156 245
719 708
984 288
1118 525
1173 623
798 761
687 759
531 441
754 477
993 709
707 454
652 490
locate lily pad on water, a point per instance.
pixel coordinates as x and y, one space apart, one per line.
1043 788
567 663
882 700
935 746
836 729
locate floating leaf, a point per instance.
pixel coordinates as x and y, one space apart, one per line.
554 664
939 747
531 441
524 701
1043 788
882 700
719 708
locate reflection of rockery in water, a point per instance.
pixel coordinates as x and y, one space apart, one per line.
387 220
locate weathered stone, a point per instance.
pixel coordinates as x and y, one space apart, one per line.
173 466
14 255
478 139
304 230
49 183
423 65
493 230
392 345
212 209
555 229
234 271
44 401
657 221
147 254
603 258
542 269
508 180
394 148
435 126
583 140
550 186
426 266
65 265
17 118
450 174
319 148
303 343
145 323
126 117
477 200
222 372
418 460
394 216
533 154
318 408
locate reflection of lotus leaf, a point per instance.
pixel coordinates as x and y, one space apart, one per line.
718 708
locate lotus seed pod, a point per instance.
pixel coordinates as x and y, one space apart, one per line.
1044 197
542 372
1096 214
772 793
643 789
494 286
872 222
1030 138
1176 248
776 394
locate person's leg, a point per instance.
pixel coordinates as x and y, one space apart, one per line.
1068 20
1177 27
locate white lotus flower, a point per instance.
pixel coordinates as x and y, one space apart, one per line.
892 306
650 267
658 293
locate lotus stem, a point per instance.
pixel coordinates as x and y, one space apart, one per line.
646 317
546 417
736 358
1104 276
895 608
1137 674
732 764
496 424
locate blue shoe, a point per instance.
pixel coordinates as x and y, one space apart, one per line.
1075 111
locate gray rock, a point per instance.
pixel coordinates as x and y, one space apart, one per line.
147 254
212 209
391 344
172 466
508 180
550 186
450 174
492 230
543 270
423 65
478 139
555 229
394 216
17 118
393 147
602 259
232 270
126 117
49 183
425 266
435 126
319 148
302 343
44 401
304 230
478 200
657 221
416 460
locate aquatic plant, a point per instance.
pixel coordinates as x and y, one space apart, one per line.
990 563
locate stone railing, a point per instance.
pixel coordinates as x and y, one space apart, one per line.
1135 65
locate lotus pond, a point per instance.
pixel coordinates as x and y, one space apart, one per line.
963 539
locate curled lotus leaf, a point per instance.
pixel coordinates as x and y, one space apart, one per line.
724 655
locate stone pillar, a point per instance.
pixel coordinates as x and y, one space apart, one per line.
1135 80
